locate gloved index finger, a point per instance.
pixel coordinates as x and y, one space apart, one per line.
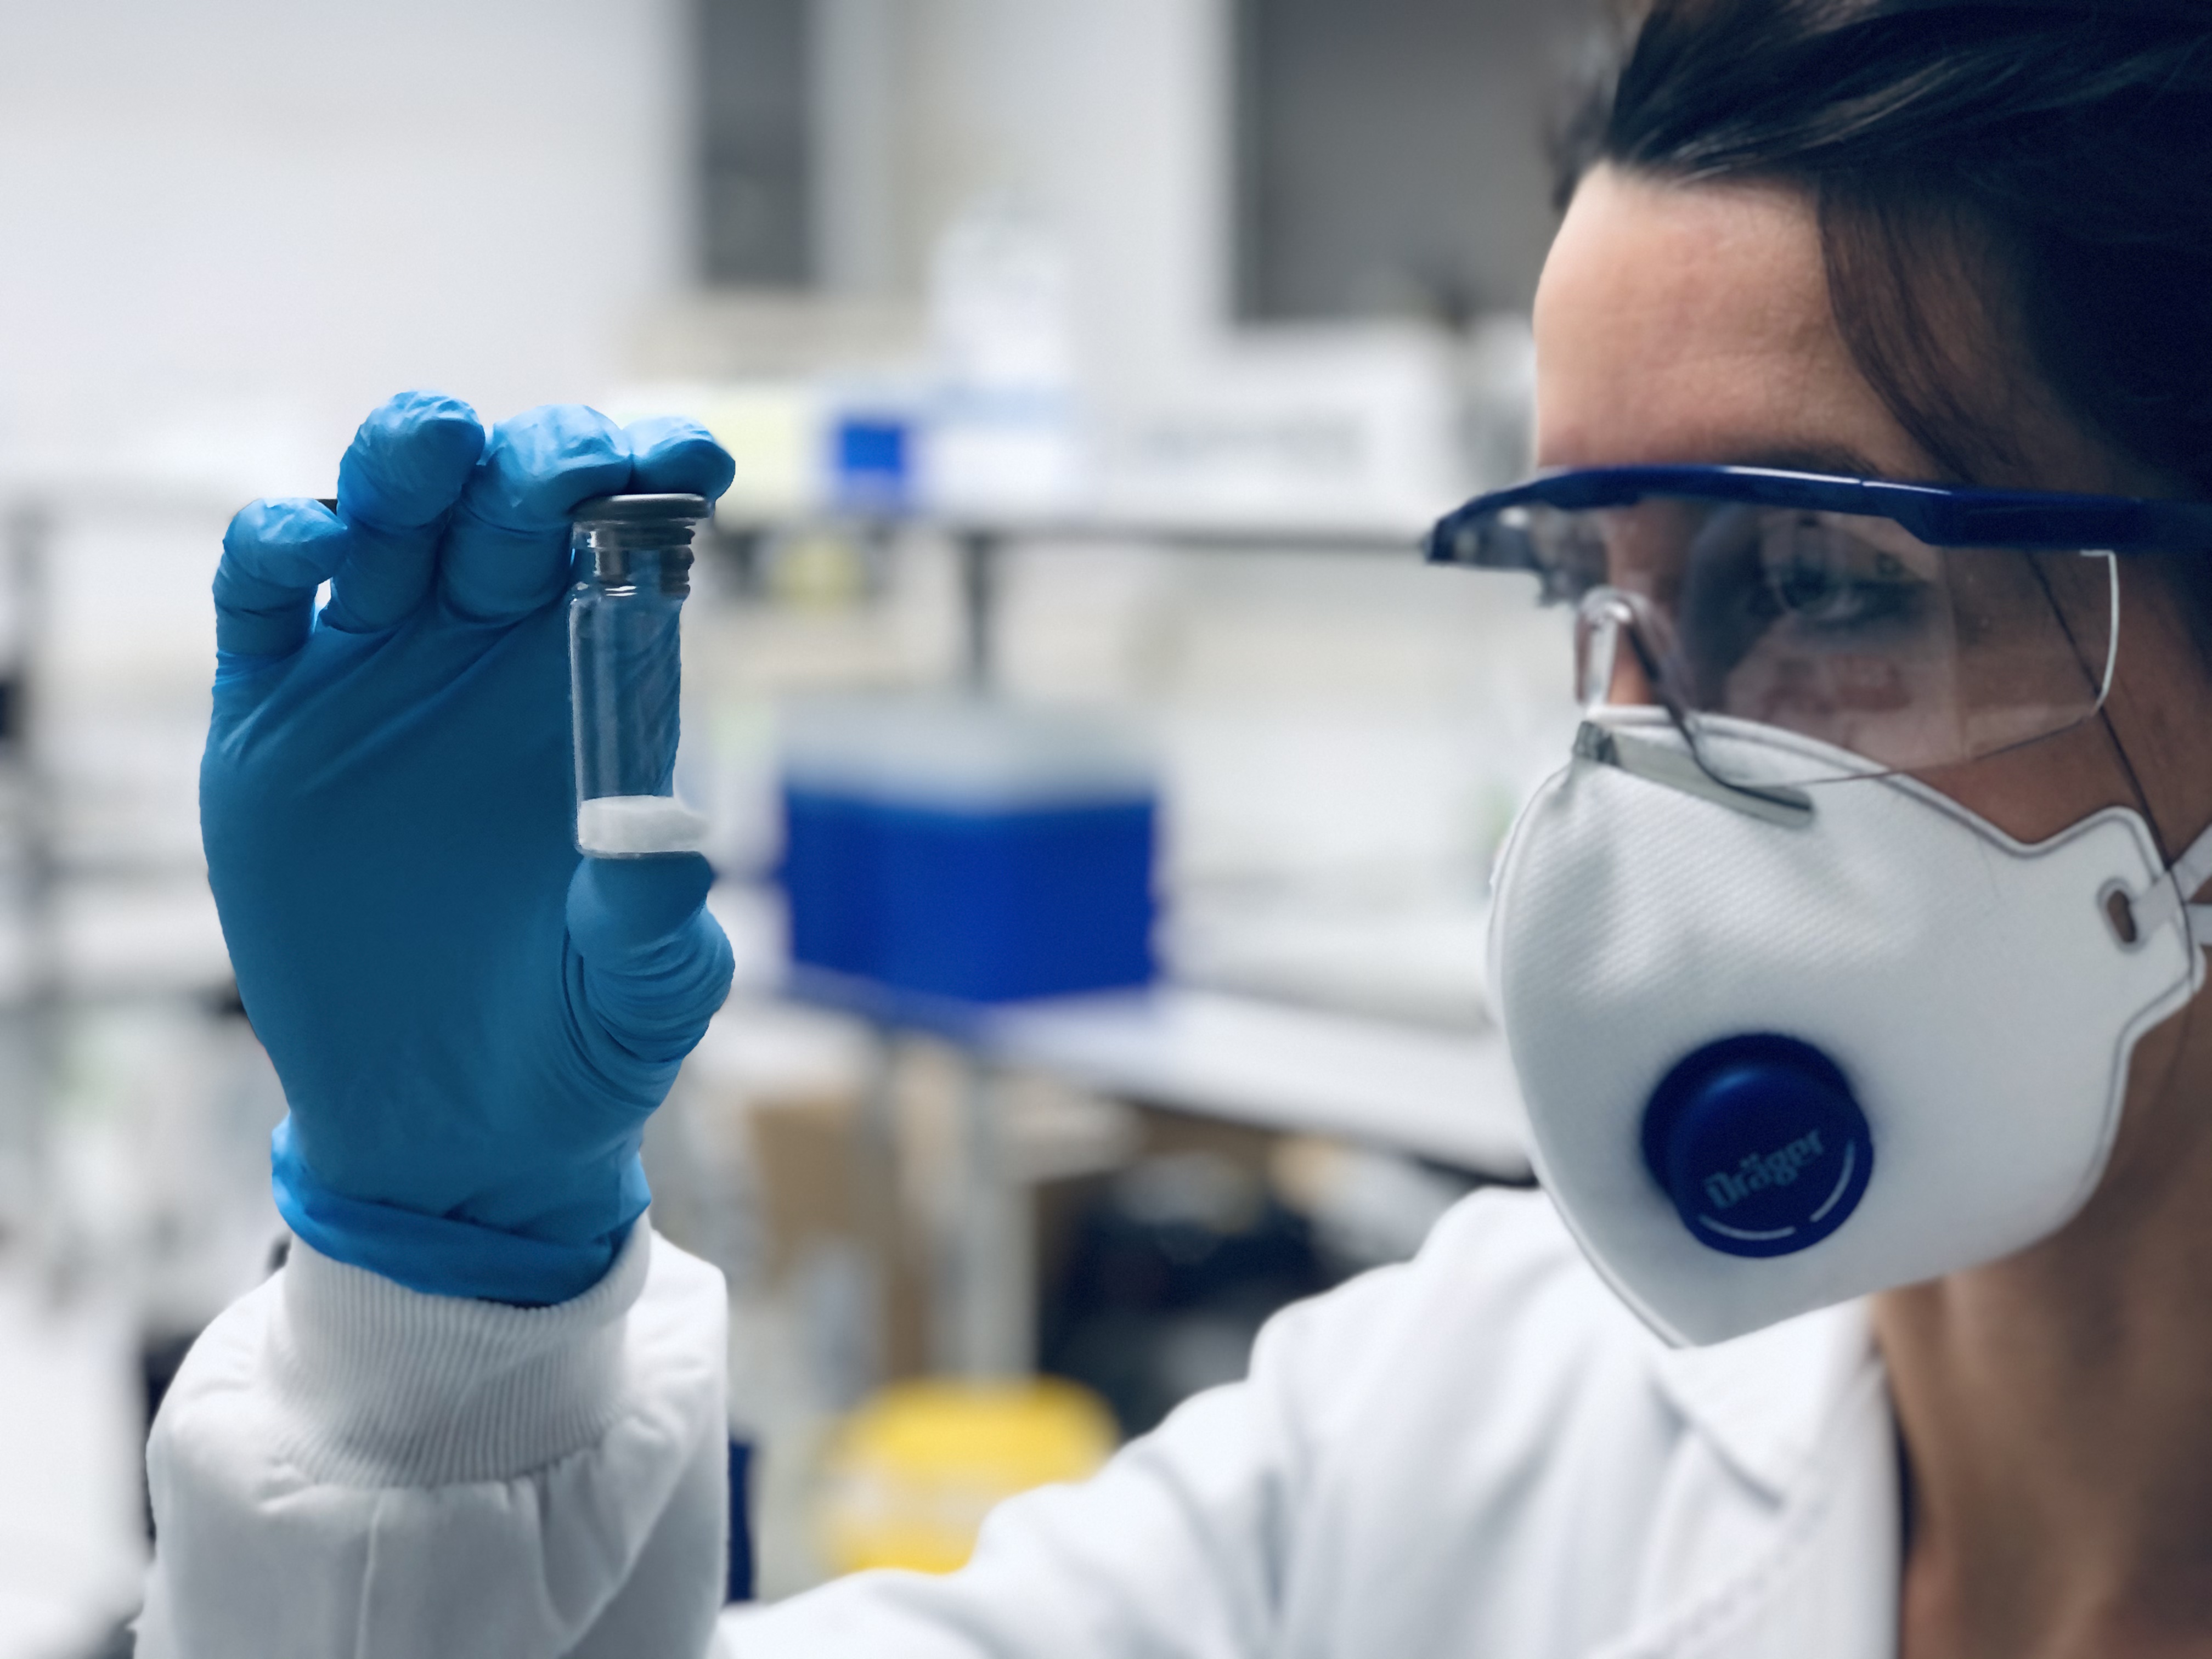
506 553
399 482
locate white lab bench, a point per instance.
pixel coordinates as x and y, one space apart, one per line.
1448 1096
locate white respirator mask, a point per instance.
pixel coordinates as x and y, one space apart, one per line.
1784 1047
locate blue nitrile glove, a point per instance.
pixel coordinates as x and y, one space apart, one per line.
472 1023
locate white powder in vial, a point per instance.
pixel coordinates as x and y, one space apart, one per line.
633 826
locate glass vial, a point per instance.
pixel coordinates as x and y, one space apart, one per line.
633 558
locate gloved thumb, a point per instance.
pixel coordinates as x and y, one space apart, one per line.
656 966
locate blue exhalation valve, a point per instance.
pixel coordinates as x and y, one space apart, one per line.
1760 1144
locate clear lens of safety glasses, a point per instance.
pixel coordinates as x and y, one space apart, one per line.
1899 656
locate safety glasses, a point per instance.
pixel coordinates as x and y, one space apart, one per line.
1905 627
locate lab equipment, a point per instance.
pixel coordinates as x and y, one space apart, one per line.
1905 627
1169 1272
968 847
471 1029
1774 1061
625 666
1003 436
911 1474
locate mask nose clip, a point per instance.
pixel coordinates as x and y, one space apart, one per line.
1760 1144
1610 619
1791 809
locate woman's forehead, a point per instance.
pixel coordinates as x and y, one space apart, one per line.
1691 322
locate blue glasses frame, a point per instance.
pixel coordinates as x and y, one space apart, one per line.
2030 520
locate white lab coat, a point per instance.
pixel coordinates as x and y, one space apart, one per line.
1478 1455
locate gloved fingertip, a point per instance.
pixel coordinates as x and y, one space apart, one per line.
674 455
409 461
276 551
283 529
274 555
634 904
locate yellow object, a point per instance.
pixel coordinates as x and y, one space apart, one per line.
818 570
774 432
912 1474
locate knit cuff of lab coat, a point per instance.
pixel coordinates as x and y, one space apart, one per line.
390 1387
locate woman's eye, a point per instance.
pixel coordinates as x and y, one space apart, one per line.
1826 599
1827 582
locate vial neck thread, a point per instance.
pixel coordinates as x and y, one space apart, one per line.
618 564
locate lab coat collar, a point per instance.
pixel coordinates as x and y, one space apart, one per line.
1768 1402
1800 1413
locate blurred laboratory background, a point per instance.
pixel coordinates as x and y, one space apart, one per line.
1104 794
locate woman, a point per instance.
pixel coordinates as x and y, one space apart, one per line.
1850 970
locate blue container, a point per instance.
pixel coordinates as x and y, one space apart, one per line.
830 881
968 850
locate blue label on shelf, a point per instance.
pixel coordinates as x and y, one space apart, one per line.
873 464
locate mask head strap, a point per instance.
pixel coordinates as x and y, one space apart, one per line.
2188 876
2173 898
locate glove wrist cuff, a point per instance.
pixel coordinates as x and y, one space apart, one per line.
439 1255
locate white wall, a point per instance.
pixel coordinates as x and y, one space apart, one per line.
231 227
